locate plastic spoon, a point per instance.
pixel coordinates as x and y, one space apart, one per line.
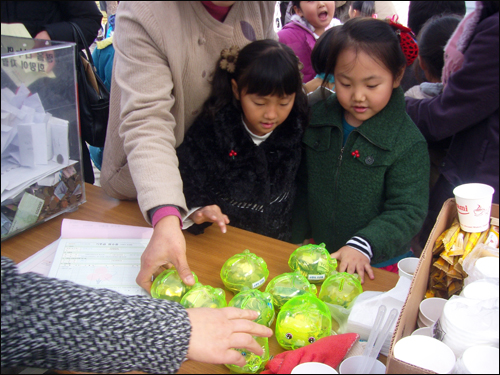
371 339
380 341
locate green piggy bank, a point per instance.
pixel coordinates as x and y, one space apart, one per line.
204 296
253 299
288 285
302 321
168 285
313 261
244 270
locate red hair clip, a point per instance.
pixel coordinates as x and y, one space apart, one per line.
407 40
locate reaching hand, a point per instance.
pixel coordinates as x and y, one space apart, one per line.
167 246
211 214
216 332
353 261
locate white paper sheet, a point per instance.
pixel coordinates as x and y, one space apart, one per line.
100 255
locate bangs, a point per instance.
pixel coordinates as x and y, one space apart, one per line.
272 74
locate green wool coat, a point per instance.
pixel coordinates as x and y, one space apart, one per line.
381 196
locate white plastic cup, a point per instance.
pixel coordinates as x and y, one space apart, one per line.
313 368
430 310
407 267
350 366
474 206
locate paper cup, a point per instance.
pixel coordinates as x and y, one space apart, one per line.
313 368
424 331
474 206
480 360
407 267
425 352
350 366
431 310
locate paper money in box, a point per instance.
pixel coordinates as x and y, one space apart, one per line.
244 270
288 285
204 296
313 261
302 321
254 299
254 363
168 285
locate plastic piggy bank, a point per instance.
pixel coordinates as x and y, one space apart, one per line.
204 296
255 363
168 285
244 270
254 299
313 261
302 321
340 289
288 285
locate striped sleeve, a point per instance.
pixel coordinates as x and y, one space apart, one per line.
362 245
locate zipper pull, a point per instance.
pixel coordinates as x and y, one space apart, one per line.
340 156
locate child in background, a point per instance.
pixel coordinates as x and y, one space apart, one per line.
362 9
433 37
309 21
431 41
363 181
319 56
241 155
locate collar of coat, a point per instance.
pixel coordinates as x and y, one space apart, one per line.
229 130
378 129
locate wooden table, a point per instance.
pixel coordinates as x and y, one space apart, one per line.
206 252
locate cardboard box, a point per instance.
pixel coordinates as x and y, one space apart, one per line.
407 321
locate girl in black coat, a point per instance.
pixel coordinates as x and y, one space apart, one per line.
239 159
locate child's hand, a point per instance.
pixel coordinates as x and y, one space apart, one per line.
351 260
211 214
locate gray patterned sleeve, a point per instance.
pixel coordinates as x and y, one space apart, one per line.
56 324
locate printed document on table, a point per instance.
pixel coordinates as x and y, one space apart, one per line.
100 263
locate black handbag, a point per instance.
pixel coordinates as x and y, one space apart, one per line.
93 96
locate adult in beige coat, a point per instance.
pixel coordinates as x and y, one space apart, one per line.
165 55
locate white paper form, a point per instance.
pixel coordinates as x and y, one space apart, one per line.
101 255
100 263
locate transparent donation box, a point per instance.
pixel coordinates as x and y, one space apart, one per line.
41 152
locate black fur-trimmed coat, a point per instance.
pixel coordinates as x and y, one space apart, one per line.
253 185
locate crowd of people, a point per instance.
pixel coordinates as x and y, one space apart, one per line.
210 123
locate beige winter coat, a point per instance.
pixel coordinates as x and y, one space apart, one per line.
165 55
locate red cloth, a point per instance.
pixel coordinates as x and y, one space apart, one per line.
391 268
329 350
216 11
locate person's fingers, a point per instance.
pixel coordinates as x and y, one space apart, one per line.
182 267
246 342
361 272
351 268
222 226
369 271
143 278
342 266
236 313
234 357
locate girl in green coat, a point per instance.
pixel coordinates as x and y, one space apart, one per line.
363 181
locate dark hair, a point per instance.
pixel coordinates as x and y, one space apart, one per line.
365 8
321 50
264 67
372 36
431 42
294 4
420 11
342 12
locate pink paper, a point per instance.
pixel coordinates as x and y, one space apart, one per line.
90 229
